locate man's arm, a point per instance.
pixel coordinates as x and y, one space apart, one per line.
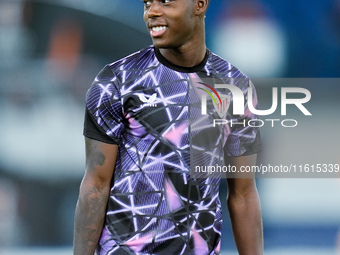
93 196
244 209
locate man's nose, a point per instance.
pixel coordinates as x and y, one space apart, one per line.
155 9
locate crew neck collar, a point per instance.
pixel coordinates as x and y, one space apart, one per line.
181 69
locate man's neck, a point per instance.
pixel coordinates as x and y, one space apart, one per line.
185 56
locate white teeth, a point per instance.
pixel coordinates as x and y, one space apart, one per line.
157 29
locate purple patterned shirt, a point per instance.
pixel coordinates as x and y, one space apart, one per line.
152 110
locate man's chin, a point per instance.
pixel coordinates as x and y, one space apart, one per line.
161 44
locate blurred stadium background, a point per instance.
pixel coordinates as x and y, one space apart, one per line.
50 51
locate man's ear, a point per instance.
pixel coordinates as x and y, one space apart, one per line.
201 6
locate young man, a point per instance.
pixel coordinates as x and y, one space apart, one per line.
137 195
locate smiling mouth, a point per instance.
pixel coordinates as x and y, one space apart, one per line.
158 28
157 31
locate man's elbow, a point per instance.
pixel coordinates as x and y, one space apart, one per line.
243 200
94 184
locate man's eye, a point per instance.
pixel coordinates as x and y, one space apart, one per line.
166 1
147 3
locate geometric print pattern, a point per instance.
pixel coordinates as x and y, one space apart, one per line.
149 110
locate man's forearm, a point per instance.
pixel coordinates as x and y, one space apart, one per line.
89 219
245 215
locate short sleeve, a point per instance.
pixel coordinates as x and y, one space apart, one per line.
103 115
244 138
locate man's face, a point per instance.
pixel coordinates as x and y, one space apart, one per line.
171 23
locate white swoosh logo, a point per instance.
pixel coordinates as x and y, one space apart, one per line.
150 100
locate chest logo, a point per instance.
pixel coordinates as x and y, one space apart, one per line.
148 101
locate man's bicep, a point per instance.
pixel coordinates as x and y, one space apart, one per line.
100 160
241 182
248 160
240 166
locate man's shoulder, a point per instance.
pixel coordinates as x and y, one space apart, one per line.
134 61
224 67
